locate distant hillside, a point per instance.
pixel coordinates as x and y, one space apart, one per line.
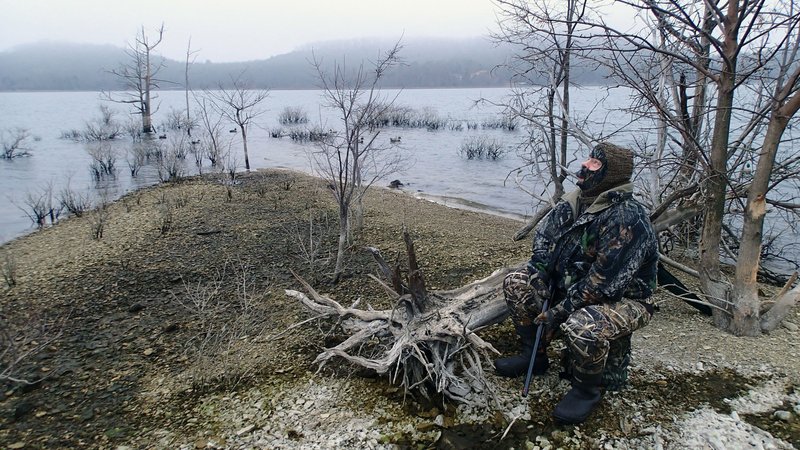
427 64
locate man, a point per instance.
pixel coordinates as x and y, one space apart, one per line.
595 256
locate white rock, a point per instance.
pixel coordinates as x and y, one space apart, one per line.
783 415
790 325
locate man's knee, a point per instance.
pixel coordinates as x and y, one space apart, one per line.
585 335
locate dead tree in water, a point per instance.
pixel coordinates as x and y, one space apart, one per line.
427 341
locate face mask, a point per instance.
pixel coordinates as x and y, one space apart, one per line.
590 179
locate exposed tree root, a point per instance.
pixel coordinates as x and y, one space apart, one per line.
427 341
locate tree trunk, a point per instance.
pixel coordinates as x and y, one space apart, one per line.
715 187
186 89
244 143
147 123
716 178
781 306
746 304
344 226
427 341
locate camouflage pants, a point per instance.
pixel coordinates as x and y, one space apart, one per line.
522 301
598 337
591 333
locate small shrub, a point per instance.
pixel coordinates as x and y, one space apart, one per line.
309 238
9 269
277 133
176 120
286 183
455 125
133 128
98 219
508 123
39 206
165 217
480 147
136 157
171 166
293 116
227 314
104 128
104 160
74 202
429 119
316 134
213 150
394 116
14 143
73 134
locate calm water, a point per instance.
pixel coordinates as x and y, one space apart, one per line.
436 170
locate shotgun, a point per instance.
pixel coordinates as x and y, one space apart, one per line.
539 331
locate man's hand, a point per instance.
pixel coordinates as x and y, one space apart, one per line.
552 318
547 318
539 285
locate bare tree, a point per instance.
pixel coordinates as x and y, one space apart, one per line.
190 58
139 76
544 34
211 125
240 105
14 143
731 67
350 158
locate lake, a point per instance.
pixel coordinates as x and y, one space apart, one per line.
436 170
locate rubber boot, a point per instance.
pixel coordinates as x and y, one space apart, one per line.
579 402
517 365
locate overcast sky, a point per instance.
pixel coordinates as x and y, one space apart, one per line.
239 30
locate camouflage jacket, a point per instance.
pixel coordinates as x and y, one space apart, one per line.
608 252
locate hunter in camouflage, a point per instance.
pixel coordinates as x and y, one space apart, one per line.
595 256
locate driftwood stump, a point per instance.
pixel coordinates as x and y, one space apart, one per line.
427 342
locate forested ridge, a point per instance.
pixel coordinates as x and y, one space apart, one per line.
436 63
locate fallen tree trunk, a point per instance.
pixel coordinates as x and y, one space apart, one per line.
782 304
427 341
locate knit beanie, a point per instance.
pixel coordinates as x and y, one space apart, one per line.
617 169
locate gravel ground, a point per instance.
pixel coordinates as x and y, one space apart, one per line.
126 371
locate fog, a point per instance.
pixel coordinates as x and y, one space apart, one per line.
238 30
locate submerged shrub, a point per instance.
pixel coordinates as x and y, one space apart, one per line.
104 160
293 115
315 134
481 147
501 123
76 203
171 165
13 143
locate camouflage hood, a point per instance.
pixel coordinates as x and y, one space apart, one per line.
603 201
